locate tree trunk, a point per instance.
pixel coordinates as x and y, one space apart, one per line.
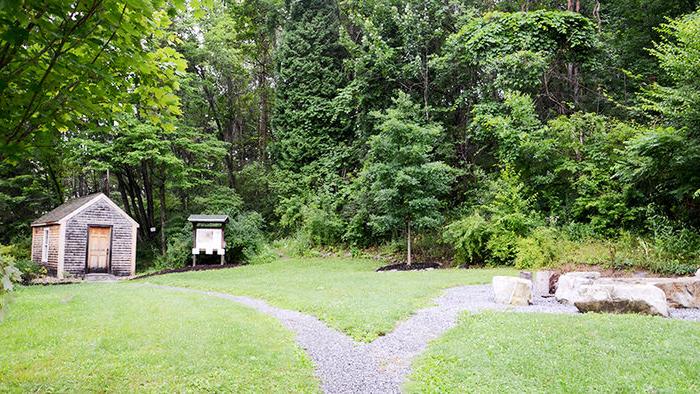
122 193
264 119
163 241
106 189
426 83
137 201
148 189
56 183
408 242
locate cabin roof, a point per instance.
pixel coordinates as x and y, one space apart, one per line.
64 210
208 218
71 207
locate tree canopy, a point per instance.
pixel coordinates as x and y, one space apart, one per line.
488 130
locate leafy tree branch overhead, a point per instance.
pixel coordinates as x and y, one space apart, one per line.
66 63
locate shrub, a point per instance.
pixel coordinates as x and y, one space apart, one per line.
29 270
321 225
265 255
540 249
9 275
490 235
297 245
468 237
178 253
244 236
19 254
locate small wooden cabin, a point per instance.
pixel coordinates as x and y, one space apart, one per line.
89 234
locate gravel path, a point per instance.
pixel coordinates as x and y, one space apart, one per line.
346 366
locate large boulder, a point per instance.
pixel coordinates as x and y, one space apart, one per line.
511 290
622 298
697 273
570 283
680 292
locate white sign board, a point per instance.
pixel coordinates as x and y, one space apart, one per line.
208 238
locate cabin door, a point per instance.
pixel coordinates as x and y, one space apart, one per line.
99 240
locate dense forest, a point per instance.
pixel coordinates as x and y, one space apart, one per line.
528 133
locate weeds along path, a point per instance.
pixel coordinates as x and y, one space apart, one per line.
346 366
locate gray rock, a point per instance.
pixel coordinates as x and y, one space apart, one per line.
569 284
622 298
511 290
697 273
681 292
541 282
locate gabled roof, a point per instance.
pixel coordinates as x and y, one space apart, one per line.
208 218
71 207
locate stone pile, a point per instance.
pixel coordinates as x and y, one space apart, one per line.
653 296
589 292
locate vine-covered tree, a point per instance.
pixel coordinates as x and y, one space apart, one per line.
306 127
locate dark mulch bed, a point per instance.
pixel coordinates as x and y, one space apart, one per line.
203 267
405 267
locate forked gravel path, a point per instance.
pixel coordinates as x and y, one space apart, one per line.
346 366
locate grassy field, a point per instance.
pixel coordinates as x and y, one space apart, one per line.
499 352
128 338
345 293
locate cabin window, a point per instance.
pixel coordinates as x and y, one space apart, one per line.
45 246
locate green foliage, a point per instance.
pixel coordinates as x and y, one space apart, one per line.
669 157
309 75
512 129
245 237
490 235
321 225
665 250
243 233
499 33
588 150
531 52
64 62
285 116
9 275
29 270
404 181
539 249
468 236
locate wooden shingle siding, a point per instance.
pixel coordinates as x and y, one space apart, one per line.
99 213
37 241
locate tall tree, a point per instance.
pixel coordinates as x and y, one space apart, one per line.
310 57
404 180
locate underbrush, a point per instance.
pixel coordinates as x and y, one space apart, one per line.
667 252
19 254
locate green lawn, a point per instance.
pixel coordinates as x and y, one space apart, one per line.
129 338
501 352
345 293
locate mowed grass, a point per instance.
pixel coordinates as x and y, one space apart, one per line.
537 353
345 293
131 338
